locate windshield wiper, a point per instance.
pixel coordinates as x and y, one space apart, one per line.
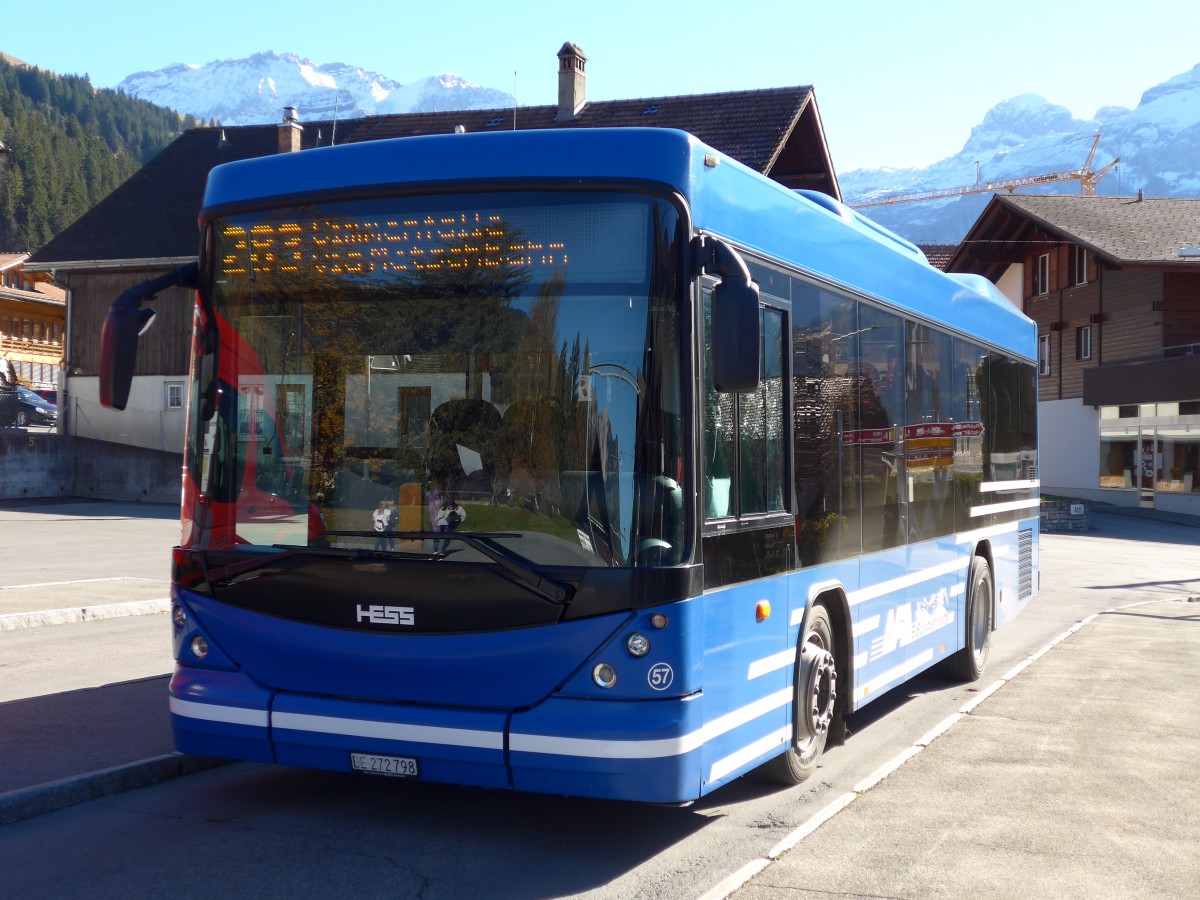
518 570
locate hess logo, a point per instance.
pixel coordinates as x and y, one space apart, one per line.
387 615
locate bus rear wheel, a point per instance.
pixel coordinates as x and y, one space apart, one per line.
968 663
815 705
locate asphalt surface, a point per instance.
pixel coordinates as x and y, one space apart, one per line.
1092 747
1091 742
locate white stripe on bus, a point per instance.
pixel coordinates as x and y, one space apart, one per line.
989 487
594 748
1005 507
903 670
865 626
749 753
772 663
390 731
598 748
906 581
210 712
982 534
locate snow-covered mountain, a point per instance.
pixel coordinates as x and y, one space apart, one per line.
1158 143
255 90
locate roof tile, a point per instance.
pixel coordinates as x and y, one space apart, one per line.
153 214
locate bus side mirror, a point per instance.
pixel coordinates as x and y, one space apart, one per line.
123 325
735 322
125 322
206 372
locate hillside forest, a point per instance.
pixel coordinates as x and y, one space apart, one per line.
66 146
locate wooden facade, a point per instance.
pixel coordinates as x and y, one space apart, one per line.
1103 278
91 295
33 316
1113 284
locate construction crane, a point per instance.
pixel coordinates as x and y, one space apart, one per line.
1084 175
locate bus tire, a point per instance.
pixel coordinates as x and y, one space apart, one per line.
968 663
815 704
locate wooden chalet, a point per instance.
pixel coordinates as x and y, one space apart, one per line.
1114 286
148 224
33 320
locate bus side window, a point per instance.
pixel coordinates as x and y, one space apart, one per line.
761 422
745 447
720 433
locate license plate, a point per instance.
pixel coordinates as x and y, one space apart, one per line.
392 766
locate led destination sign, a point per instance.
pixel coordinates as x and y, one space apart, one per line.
381 240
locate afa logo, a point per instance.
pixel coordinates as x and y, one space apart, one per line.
909 622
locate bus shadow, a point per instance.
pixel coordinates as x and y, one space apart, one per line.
467 841
92 510
57 736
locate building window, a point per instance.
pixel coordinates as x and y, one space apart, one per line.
174 394
1083 342
1043 354
415 405
1080 265
1041 275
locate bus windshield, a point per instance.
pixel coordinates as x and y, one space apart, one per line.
516 357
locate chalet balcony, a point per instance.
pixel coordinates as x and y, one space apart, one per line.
19 348
1173 377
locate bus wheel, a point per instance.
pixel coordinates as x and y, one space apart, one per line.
968 663
815 704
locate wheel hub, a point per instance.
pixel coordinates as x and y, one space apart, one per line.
819 676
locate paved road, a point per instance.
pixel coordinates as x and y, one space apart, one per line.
55 543
1073 778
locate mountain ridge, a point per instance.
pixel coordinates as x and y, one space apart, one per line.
1158 141
254 90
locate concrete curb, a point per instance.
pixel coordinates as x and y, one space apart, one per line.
27 803
13 621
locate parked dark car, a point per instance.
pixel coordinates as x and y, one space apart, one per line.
22 407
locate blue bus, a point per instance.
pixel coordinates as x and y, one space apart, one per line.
673 467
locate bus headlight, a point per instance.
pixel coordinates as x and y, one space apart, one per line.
179 616
199 647
638 645
604 675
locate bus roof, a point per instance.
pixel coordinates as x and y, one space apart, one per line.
726 198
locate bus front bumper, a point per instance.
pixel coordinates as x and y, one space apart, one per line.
618 750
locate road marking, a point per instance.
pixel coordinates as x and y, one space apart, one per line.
742 876
13 587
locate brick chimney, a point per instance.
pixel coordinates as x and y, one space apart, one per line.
572 82
290 131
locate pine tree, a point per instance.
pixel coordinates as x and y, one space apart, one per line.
69 147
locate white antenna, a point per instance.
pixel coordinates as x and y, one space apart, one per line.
514 99
333 131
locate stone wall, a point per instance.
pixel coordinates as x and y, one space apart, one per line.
1064 516
41 465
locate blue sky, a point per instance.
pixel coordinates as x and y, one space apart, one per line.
897 83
